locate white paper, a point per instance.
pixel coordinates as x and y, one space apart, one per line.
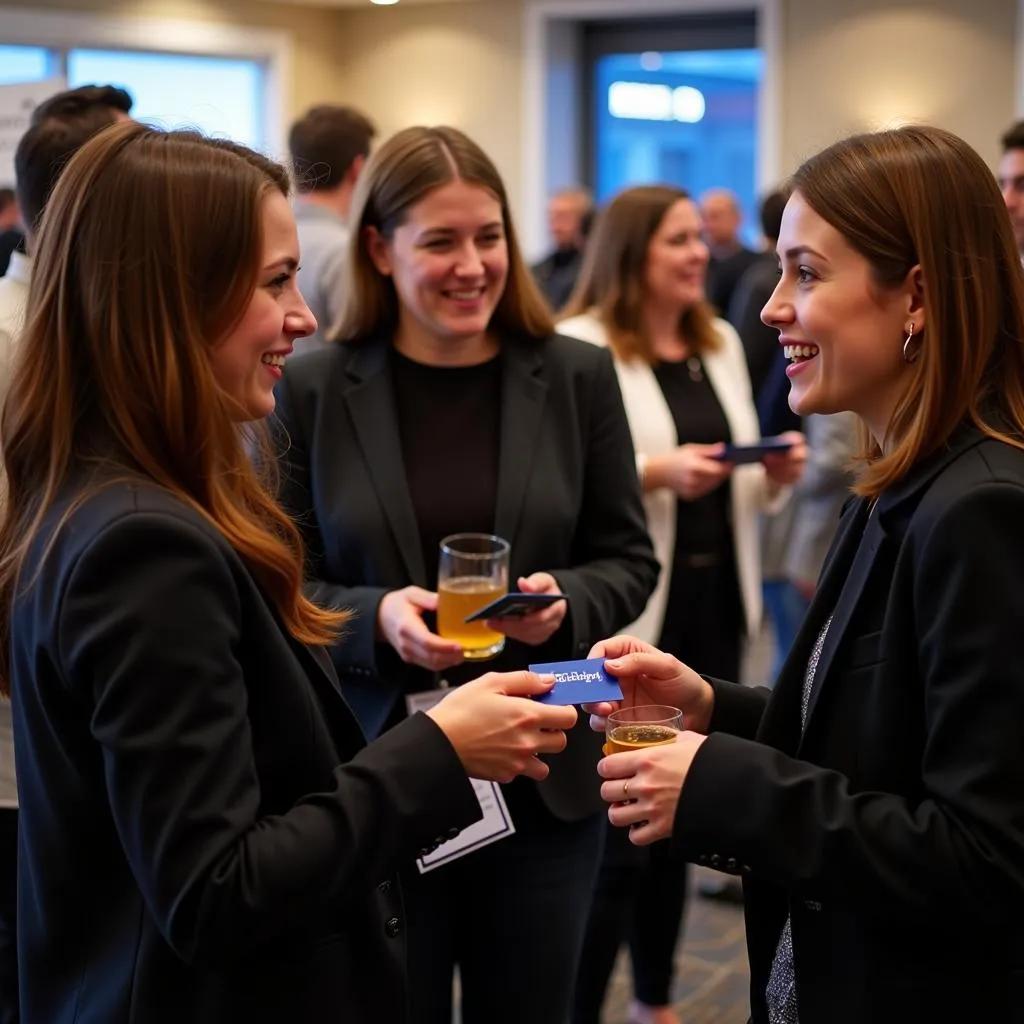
496 822
424 701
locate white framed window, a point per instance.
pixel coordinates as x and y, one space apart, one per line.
225 80
222 96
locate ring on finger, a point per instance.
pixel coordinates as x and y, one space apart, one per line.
625 790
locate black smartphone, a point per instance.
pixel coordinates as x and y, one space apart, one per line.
743 454
515 606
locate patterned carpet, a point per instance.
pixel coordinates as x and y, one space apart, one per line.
711 984
712 979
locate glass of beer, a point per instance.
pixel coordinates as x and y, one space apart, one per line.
473 572
646 725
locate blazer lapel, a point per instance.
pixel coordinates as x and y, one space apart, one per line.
524 392
780 726
859 540
341 719
371 403
863 561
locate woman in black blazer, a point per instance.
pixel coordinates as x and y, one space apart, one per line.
204 834
874 803
448 405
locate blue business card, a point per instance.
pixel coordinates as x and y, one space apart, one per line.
578 682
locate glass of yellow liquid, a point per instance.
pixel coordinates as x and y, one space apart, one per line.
472 573
646 725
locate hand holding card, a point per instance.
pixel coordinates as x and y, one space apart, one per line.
535 627
649 676
578 682
515 605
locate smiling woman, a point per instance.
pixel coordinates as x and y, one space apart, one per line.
448 405
872 800
687 393
234 835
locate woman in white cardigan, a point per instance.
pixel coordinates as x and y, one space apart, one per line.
684 380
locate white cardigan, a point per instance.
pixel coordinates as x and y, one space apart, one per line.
654 433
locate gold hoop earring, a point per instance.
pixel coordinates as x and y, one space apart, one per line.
909 357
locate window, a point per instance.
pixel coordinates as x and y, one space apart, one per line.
220 96
675 100
23 64
226 80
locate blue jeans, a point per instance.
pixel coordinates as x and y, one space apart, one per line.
786 607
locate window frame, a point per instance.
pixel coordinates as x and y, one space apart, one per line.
61 32
545 48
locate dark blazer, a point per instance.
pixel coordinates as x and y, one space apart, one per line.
568 502
892 829
557 275
204 835
723 277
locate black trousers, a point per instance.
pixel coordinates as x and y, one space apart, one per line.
641 893
8 902
510 916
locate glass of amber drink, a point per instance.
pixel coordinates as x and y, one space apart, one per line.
473 572
646 725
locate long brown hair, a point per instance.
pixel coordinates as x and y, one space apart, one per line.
612 278
397 176
148 253
920 195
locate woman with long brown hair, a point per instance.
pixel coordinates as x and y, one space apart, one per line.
448 405
872 803
205 835
687 392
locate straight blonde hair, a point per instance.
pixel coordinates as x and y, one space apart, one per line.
614 269
402 172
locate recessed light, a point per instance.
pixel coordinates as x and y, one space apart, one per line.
383 3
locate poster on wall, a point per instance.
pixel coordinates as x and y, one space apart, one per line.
16 105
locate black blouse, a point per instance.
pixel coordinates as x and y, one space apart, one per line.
449 425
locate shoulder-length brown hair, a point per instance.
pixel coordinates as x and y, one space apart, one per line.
397 176
920 195
614 269
148 253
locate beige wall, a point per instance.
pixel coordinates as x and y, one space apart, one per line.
316 32
447 63
855 64
846 65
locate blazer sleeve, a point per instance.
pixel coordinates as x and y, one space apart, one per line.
291 429
958 848
737 709
149 630
614 570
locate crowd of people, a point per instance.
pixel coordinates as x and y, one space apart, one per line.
244 405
